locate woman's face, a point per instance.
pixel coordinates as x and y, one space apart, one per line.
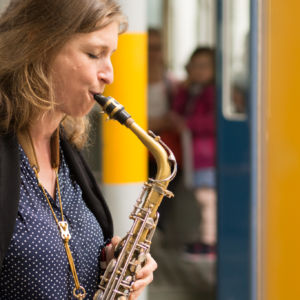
82 68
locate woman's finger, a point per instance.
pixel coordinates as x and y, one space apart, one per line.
110 248
149 267
144 276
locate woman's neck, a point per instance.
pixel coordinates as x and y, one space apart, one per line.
44 127
41 132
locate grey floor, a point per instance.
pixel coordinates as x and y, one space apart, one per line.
179 276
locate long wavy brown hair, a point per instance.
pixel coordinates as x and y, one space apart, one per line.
31 33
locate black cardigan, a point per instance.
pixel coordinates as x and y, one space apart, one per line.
10 189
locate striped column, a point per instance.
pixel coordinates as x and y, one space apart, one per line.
124 157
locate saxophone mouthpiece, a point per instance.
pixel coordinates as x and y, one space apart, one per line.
113 108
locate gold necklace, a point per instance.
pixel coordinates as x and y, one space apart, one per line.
27 144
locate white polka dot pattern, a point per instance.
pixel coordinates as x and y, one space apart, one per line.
36 264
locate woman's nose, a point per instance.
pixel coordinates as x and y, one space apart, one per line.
106 74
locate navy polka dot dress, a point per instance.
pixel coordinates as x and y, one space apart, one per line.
36 264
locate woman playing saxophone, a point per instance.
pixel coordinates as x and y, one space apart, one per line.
54 223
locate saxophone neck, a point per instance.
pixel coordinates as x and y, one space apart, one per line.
162 154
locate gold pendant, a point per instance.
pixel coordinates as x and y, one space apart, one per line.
80 293
64 230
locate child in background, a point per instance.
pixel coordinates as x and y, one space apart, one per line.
194 110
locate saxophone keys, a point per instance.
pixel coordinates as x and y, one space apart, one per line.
135 266
98 295
111 265
128 279
142 257
103 279
150 223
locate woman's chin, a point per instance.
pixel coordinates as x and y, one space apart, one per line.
81 113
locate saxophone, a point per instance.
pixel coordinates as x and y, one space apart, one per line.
130 253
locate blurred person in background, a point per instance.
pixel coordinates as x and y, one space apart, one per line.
161 84
161 90
194 110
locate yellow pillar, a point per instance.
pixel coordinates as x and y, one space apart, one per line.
124 156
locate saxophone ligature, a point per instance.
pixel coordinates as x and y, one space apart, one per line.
130 254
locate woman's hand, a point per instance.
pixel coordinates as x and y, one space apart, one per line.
143 276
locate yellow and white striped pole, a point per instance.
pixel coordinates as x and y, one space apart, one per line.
124 158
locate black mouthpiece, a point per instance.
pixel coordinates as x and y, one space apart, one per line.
113 108
101 99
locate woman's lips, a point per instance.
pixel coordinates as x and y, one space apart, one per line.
95 93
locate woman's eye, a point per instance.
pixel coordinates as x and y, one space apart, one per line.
90 55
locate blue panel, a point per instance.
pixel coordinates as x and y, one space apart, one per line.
236 161
233 210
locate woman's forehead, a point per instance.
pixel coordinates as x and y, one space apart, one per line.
104 37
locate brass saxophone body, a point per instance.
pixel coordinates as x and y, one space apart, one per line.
131 252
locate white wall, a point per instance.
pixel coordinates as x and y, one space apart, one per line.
154 13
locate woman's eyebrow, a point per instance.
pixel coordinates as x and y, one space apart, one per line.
99 46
